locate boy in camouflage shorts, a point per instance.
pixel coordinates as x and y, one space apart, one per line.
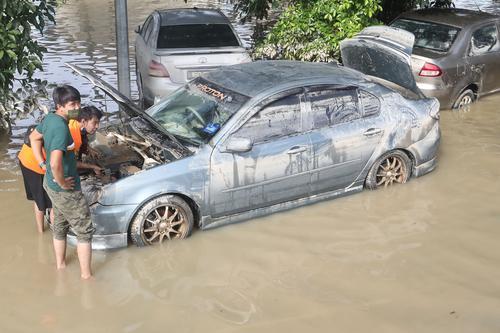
61 181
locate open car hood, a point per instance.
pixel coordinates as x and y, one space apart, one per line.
125 103
382 52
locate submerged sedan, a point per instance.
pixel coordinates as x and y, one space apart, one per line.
258 138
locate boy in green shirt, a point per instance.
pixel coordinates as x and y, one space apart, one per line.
61 181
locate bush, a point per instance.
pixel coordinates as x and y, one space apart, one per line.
20 55
312 30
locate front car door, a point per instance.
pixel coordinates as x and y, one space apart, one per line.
275 169
484 55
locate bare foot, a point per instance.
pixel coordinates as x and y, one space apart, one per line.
87 277
61 266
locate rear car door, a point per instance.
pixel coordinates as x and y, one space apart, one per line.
341 138
484 56
276 168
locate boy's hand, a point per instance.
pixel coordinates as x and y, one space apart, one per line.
69 183
97 169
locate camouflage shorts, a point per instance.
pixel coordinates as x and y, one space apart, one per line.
70 210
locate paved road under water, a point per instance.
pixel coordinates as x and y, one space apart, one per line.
421 257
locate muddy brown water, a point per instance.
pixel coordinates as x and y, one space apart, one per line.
421 257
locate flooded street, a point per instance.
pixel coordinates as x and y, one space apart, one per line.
421 257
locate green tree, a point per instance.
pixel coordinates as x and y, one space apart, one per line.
312 30
20 54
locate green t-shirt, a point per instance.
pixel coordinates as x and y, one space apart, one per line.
56 136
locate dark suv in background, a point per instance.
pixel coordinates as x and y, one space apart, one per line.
456 55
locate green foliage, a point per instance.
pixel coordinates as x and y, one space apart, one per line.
311 30
20 54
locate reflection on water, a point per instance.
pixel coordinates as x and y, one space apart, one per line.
413 258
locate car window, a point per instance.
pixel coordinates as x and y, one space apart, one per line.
433 36
277 119
196 35
484 40
148 28
197 111
333 106
370 104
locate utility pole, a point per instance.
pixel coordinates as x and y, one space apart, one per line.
122 55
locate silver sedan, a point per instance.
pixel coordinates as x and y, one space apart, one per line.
257 138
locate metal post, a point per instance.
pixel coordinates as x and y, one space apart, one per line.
122 55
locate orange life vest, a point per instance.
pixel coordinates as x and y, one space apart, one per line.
28 160
76 134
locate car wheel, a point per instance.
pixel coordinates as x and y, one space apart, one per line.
466 98
391 168
163 218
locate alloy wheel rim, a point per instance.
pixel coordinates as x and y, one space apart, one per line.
391 170
466 100
164 222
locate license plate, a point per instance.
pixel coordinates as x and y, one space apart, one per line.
192 75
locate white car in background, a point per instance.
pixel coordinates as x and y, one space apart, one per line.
174 46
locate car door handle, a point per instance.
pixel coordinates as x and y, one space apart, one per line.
296 150
373 131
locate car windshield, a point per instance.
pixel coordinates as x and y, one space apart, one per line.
432 36
196 35
197 111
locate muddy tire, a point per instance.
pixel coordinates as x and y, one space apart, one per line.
163 218
393 167
466 98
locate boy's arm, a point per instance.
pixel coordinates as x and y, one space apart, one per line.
97 169
36 140
56 166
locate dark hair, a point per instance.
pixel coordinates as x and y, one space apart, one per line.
65 94
89 112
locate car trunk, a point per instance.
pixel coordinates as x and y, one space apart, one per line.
385 53
186 64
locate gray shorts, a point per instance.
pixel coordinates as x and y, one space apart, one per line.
70 210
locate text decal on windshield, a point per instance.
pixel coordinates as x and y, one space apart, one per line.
211 91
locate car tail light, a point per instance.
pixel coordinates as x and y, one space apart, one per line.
157 69
430 70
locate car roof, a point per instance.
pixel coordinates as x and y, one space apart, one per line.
457 17
252 78
184 16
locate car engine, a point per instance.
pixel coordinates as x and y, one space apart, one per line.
124 150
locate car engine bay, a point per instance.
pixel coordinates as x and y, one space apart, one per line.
122 150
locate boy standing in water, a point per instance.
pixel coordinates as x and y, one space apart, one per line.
61 181
33 171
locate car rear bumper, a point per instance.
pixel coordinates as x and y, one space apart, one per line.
442 93
425 151
158 87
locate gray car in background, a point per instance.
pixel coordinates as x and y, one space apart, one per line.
257 138
174 46
456 56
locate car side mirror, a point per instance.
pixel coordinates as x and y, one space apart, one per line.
137 29
237 145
